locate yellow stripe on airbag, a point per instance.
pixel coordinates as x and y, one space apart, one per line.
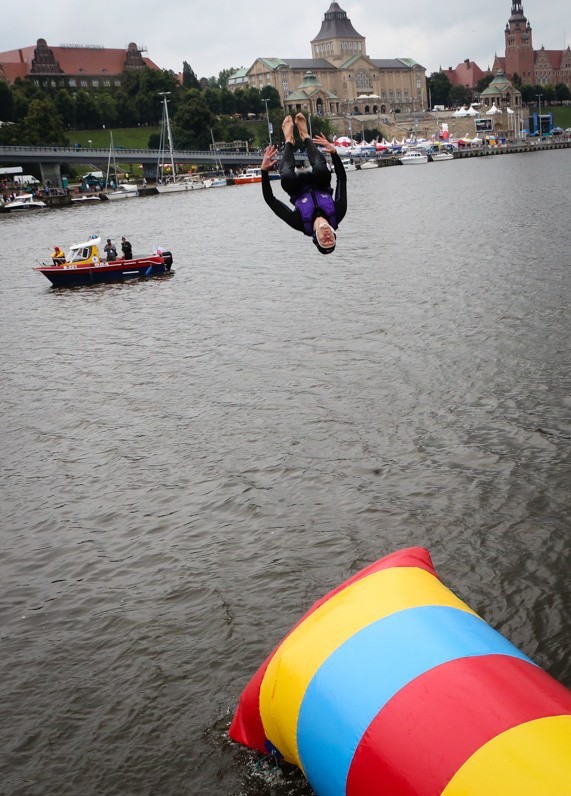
531 759
304 651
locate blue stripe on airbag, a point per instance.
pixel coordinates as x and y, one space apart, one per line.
354 683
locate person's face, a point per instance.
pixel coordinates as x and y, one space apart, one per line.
324 234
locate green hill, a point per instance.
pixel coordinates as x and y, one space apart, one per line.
126 137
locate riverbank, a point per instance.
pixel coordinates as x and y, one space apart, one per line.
479 151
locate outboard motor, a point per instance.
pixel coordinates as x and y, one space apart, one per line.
167 257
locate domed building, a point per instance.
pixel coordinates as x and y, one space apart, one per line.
340 77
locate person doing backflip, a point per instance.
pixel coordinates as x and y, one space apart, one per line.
317 211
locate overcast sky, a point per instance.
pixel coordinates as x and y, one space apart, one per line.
212 36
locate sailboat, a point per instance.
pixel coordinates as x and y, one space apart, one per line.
171 183
119 191
218 180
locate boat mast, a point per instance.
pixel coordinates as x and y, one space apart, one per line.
108 163
111 154
220 166
164 95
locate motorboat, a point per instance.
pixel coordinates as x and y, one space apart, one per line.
92 197
348 164
83 266
25 201
186 182
368 164
441 156
247 176
121 192
413 157
215 182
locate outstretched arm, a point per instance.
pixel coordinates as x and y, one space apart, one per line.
321 140
291 217
270 157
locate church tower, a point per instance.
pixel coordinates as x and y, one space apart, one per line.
337 41
519 47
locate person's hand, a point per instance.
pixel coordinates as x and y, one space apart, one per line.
320 140
270 157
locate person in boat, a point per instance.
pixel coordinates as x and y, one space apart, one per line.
317 211
58 257
110 251
127 249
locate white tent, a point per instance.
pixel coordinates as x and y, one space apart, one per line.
471 111
493 110
460 112
510 112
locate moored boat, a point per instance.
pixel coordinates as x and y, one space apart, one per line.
247 176
83 266
92 197
121 192
412 157
215 182
25 201
186 182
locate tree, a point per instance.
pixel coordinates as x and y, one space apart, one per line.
438 86
154 141
107 109
189 79
213 98
7 105
224 76
231 130
10 134
460 95
87 114
527 93
271 94
65 106
483 83
562 93
548 93
192 122
127 113
43 126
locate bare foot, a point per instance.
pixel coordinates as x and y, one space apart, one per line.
287 127
301 123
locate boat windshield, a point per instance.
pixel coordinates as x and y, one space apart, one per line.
77 255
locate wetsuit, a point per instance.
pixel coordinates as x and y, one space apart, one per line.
295 183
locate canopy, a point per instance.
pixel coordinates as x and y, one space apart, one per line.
460 112
494 109
471 112
510 112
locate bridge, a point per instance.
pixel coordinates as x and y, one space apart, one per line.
50 159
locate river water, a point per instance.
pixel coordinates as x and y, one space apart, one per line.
190 462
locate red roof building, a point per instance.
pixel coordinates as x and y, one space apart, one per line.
72 66
535 67
466 74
